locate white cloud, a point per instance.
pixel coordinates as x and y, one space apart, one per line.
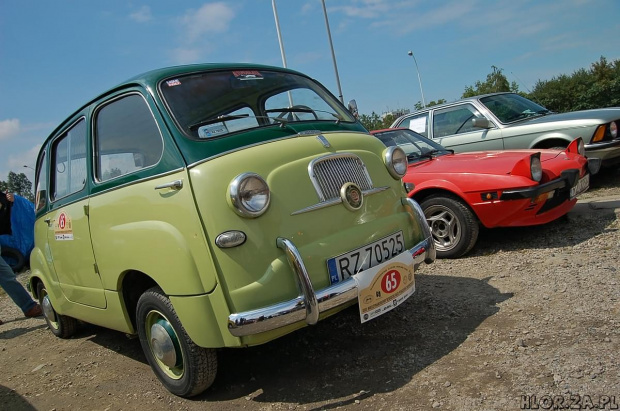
187 55
9 128
17 161
143 15
210 18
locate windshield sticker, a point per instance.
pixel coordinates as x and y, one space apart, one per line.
63 229
212 130
172 83
248 75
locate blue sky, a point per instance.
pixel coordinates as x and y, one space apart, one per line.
55 55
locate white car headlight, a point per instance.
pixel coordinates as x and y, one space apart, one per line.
535 167
395 161
613 129
249 195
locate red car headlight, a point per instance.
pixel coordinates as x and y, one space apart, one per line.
535 167
577 147
529 167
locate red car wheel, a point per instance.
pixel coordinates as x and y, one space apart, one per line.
453 225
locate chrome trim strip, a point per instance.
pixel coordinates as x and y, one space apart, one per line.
149 178
338 200
310 304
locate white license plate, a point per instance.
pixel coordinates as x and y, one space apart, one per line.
582 185
355 261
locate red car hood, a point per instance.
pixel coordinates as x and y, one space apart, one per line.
480 162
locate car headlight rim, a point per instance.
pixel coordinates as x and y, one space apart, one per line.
249 195
396 162
535 168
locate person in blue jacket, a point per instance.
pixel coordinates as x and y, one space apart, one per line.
8 282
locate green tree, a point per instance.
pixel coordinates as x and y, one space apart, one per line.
495 82
375 121
17 184
584 89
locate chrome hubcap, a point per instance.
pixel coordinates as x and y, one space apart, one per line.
48 311
164 344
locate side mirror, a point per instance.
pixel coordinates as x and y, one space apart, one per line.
352 106
481 122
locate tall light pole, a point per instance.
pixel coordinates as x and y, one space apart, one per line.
275 16
329 35
419 80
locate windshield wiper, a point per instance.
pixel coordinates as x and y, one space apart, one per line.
299 109
227 117
432 153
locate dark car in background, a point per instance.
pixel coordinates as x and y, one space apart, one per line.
509 121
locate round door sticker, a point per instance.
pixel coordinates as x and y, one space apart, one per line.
64 229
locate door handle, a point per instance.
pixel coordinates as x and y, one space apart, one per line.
176 184
48 221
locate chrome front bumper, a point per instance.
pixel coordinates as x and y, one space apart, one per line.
310 303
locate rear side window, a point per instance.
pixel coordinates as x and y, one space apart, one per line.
417 123
69 161
454 120
127 138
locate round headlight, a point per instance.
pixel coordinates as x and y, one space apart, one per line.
249 195
535 168
396 161
613 129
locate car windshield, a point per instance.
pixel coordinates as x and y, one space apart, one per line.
416 147
510 107
217 103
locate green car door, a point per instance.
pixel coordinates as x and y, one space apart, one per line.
67 225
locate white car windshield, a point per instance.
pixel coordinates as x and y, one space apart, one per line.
512 107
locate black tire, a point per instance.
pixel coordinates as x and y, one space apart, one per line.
61 326
454 226
14 258
183 367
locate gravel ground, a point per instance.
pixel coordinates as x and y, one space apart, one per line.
529 318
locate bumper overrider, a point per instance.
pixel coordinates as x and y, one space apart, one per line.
310 303
568 178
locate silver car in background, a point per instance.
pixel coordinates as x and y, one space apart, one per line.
509 121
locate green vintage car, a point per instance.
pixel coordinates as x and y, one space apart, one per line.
220 205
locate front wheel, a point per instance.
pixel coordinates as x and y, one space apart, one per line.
60 325
184 368
453 225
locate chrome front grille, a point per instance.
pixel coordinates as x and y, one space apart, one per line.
330 173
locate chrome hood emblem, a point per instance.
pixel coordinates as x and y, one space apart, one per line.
323 141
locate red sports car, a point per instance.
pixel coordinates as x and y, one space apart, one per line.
458 192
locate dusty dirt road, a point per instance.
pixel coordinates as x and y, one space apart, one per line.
529 318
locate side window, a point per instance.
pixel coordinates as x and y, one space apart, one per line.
417 123
41 184
127 138
69 161
454 120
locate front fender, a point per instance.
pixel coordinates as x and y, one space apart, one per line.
165 257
